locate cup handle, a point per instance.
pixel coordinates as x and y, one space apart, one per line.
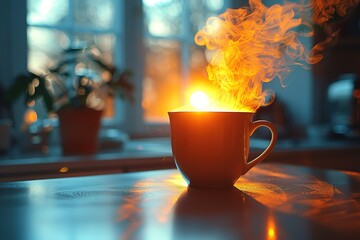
253 126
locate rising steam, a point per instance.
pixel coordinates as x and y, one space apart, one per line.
258 44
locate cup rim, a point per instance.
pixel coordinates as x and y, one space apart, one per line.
203 111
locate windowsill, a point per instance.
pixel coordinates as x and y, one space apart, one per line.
134 155
155 153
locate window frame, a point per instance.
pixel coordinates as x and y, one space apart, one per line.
13 50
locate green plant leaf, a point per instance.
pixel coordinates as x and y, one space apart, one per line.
19 87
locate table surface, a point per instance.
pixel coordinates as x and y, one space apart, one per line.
272 201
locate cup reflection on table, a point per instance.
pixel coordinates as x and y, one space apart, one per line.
211 149
225 213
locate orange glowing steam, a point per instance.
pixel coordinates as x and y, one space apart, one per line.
326 13
325 10
257 44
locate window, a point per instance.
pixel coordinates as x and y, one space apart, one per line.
171 63
57 25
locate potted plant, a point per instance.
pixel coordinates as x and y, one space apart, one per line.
75 89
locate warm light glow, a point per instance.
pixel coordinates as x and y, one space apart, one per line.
63 170
271 227
154 190
199 100
281 197
30 117
176 180
271 233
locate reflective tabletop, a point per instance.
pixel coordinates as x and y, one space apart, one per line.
272 201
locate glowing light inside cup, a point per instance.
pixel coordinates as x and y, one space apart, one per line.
199 100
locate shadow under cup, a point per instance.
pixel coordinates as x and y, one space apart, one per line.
211 149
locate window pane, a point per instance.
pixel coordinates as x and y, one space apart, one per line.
197 68
202 10
163 17
104 42
45 48
89 13
48 12
162 83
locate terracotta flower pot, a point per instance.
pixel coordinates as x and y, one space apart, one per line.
79 129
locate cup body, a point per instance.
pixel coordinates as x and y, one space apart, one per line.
211 149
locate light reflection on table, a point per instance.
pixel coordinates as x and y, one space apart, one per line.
272 201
